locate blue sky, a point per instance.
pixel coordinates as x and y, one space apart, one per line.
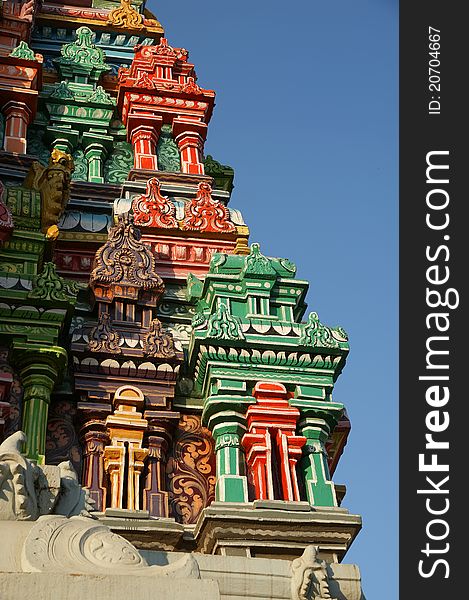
307 114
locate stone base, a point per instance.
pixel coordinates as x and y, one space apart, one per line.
47 586
275 529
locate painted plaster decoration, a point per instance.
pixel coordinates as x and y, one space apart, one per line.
203 213
50 286
124 457
126 16
82 53
103 338
25 52
310 579
6 218
124 260
167 151
28 490
271 444
222 325
152 209
157 343
53 183
79 545
317 334
191 470
257 264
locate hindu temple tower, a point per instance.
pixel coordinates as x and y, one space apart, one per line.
144 337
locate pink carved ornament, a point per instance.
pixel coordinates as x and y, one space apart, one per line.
205 214
152 209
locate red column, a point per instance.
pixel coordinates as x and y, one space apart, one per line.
17 117
190 138
271 444
143 134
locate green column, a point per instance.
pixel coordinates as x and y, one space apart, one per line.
320 489
317 421
231 483
39 370
94 154
224 416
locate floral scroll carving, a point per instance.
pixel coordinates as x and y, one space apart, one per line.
157 343
191 470
152 209
205 214
125 260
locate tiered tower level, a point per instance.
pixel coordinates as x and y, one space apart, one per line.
142 336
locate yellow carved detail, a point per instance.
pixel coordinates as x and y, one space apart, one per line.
126 16
53 183
242 240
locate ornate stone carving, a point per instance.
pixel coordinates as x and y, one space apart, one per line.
257 264
167 150
317 334
103 338
80 545
118 165
158 344
28 491
24 51
126 16
205 214
310 580
152 209
83 55
222 325
50 286
191 470
126 261
53 182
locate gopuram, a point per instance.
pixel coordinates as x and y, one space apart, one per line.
167 425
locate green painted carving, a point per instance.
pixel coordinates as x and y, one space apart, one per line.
81 166
23 51
119 163
224 326
100 96
50 286
167 151
37 146
317 334
223 175
63 92
81 60
257 264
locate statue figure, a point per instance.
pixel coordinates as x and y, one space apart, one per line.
310 580
53 183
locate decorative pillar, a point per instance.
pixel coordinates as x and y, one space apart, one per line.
17 117
39 370
94 439
225 419
143 135
155 499
190 138
124 458
317 421
95 154
271 444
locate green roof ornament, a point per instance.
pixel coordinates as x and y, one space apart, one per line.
23 51
81 60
